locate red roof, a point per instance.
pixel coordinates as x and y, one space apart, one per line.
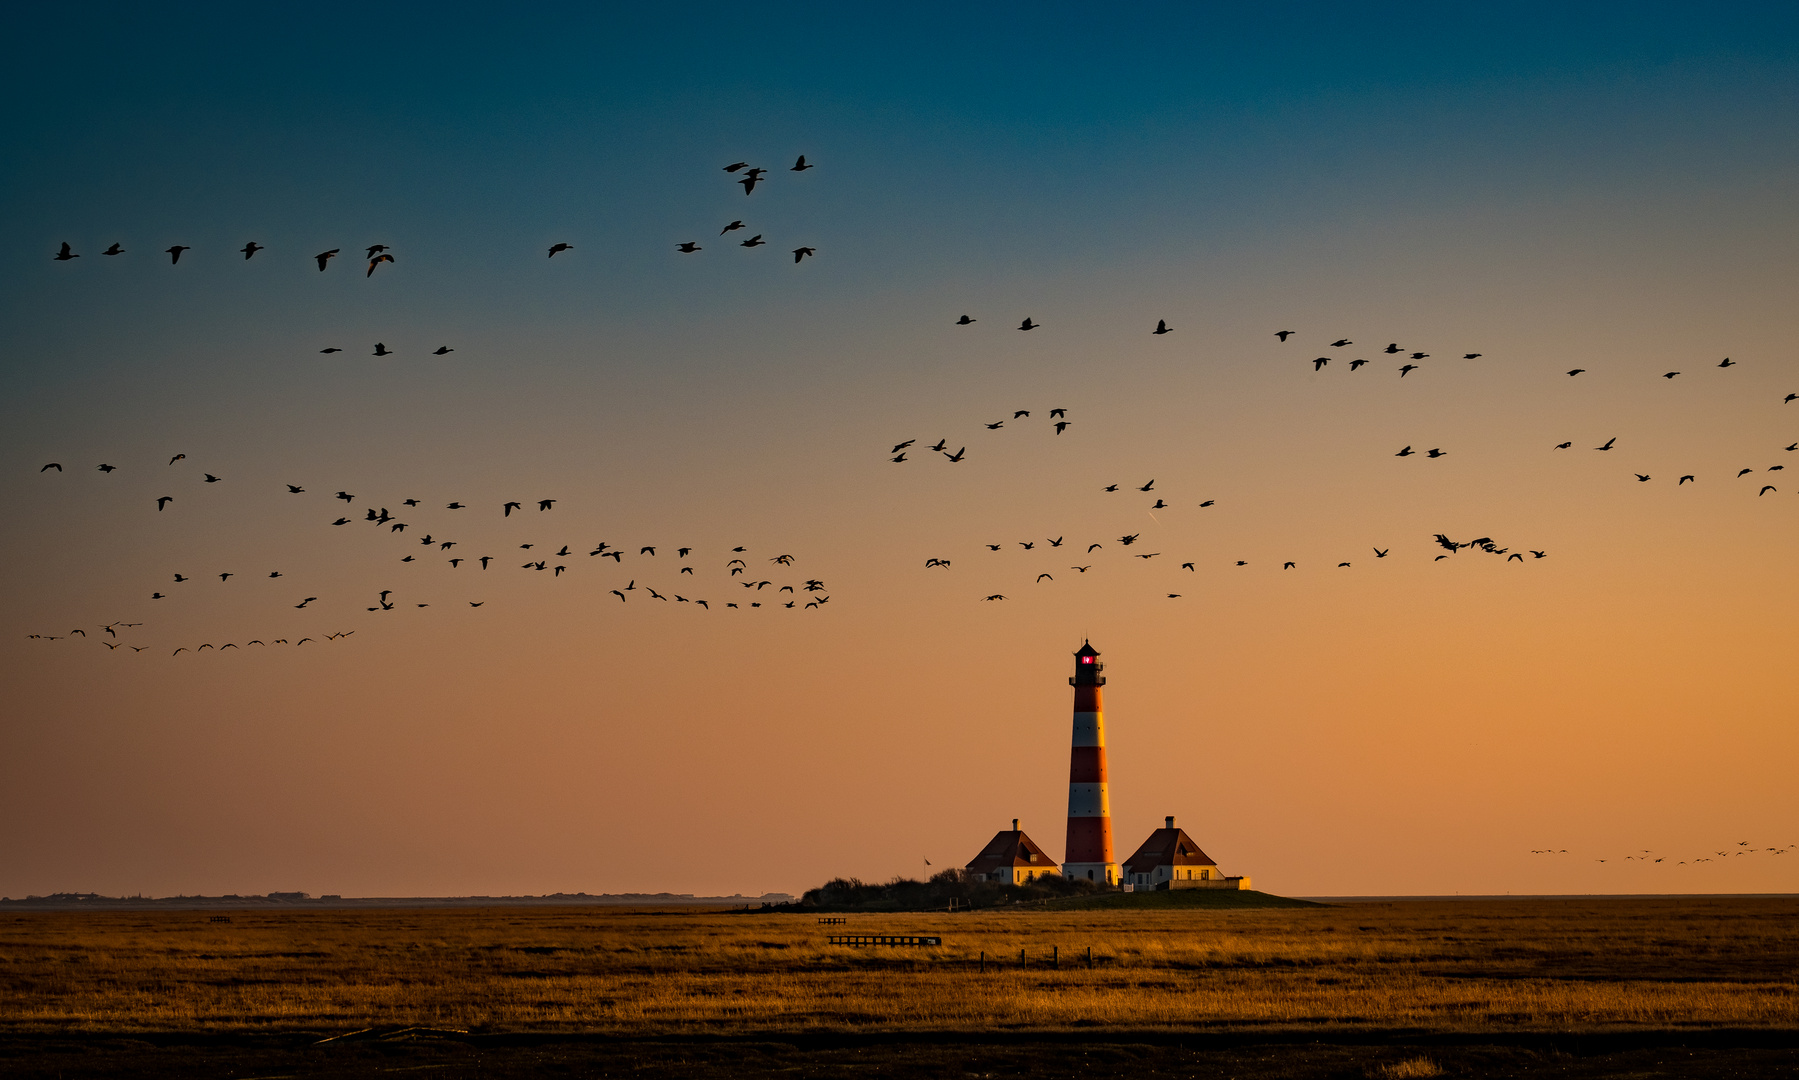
1167 847
1010 847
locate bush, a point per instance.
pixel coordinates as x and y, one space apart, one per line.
908 894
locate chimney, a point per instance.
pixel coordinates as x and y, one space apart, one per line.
1170 824
1014 824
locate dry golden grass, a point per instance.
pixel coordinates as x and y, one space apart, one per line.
1544 965
1410 1069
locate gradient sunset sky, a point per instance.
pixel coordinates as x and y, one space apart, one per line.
1554 187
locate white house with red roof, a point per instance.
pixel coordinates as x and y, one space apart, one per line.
1170 859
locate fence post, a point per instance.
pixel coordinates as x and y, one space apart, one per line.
1055 957
983 961
1090 958
1021 958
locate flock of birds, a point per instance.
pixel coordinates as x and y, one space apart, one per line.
900 453
792 593
747 175
1645 855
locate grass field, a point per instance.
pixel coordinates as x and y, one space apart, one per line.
1473 966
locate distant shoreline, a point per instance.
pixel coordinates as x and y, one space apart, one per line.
303 902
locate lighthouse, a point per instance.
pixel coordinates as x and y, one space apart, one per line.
1089 852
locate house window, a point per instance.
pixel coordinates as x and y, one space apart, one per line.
1205 875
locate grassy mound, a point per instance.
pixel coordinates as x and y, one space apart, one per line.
1170 900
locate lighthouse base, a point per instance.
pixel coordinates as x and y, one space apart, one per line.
1098 873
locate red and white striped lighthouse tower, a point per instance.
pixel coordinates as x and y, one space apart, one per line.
1089 853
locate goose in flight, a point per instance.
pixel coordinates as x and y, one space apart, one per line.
554 248
1283 334
65 254
175 253
965 320
251 248
801 252
1162 327
800 165
1027 324
324 257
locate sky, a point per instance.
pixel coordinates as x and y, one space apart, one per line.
1607 188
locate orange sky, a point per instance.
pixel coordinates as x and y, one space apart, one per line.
1402 725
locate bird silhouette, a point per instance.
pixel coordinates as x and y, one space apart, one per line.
1406 369
996 426
545 504
1472 356
1062 425
1670 374
1608 443
1340 342
211 479
554 248
382 350
1162 327
1151 486
1577 371
114 250
1160 505
1283 334
442 350
1436 453
1562 446
1406 452
65 254
1318 364
324 257
175 253
250 249
1027 324
800 165
965 320
1353 364
801 252
898 458
1045 577
736 166
957 456
731 227
52 465
1744 472
377 261
690 247
755 241
1765 490
508 508
1110 487
1641 478
1287 566
164 501
995 596
749 183
1727 362
1392 347
1208 502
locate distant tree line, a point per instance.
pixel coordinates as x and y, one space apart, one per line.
909 894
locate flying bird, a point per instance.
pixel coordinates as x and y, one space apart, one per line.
1283 334
801 252
211 479
1027 324
1061 425
690 247
1379 554
1392 347
1436 453
382 350
1340 342
545 504
1608 443
377 261
728 228
510 507
1562 446
442 350
554 248
1670 374
1318 364
1641 478
749 183
65 254
957 456
1161 327
251 248
175 253
965 320
1727 362
1353 364
1684 479
1420 355
1406 452
1472 356
114 250
755 241
1151 486
1407 369
164 501
324 257
800 165
52 465
1577 371
1765 490
737 165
